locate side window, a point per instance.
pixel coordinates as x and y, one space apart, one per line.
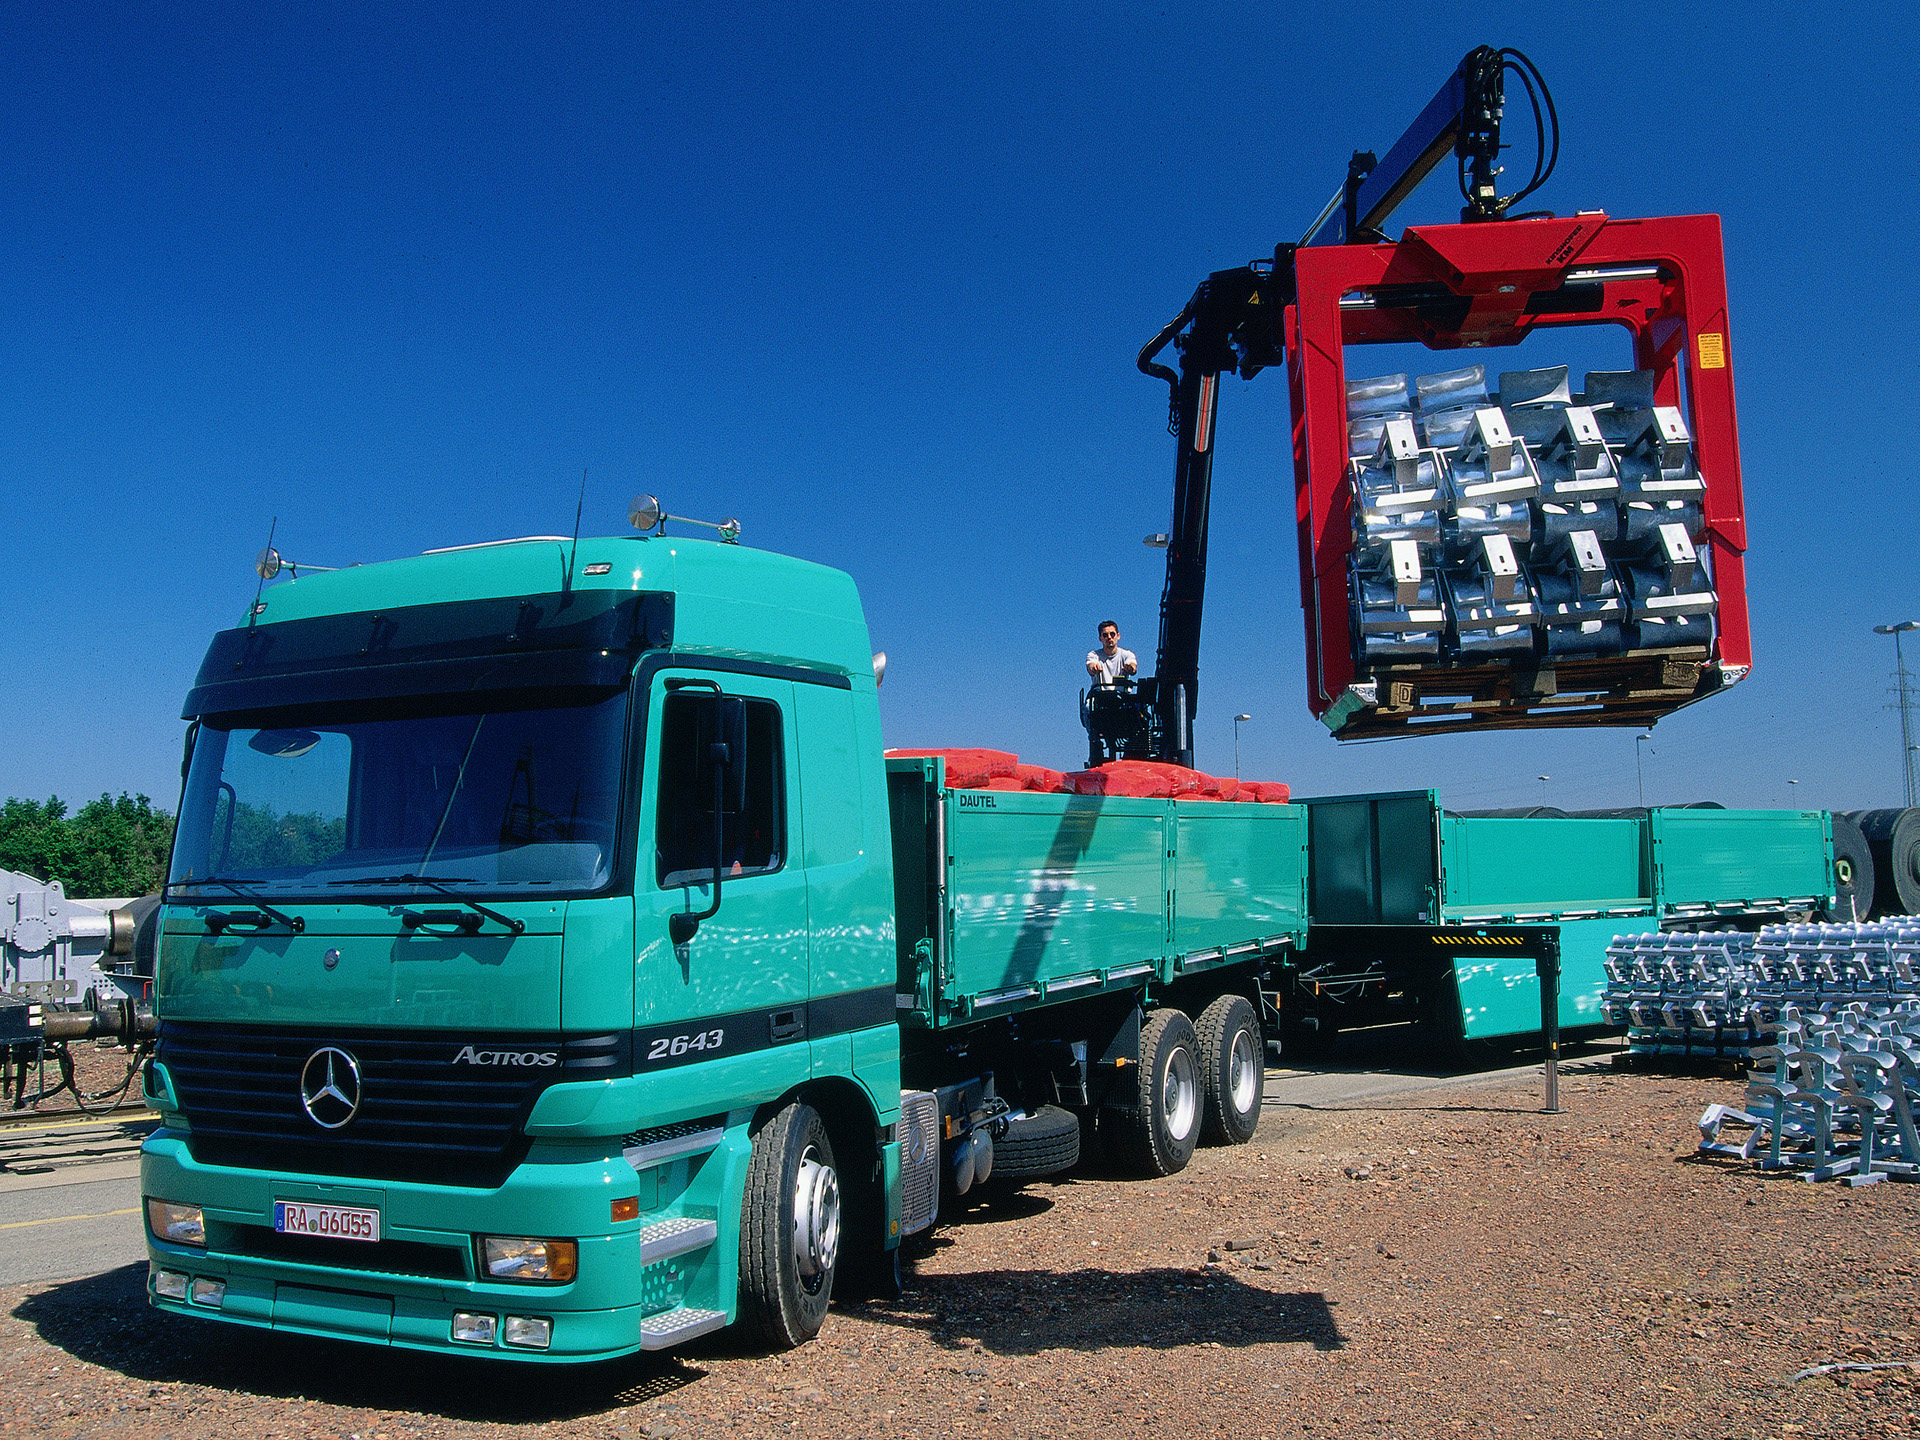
753 831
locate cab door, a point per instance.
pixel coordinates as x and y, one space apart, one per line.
730 986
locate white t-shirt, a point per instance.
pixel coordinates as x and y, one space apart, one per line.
1113 669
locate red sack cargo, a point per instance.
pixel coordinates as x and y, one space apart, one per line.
967 769
1268 792
1040 778
1120 780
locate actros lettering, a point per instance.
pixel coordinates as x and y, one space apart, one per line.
470 1056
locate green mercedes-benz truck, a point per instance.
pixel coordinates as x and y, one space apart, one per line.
553 967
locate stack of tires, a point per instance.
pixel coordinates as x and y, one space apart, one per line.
1888 882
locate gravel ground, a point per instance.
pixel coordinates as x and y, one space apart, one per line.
1450 1262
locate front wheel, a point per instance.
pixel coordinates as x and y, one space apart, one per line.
1233 1059
789 1229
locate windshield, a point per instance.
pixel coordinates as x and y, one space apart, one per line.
518 801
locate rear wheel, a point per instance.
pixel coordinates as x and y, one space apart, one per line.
789 1229
1232 1060
1153 1130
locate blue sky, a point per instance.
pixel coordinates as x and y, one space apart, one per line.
872 279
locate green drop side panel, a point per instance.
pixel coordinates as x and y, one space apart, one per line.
1731 859
1500 991
1240 874
1042 887
1376 858
1504 867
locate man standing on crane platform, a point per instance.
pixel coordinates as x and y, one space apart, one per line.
1110 664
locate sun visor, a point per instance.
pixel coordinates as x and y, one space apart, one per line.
576 640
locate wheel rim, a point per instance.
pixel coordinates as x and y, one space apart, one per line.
1179 1093
1242 1078
816 1220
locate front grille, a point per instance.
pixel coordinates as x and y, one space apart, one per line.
421 1117
383 1257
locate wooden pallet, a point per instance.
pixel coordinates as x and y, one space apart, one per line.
1572 691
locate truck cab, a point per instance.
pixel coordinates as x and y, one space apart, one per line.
493 936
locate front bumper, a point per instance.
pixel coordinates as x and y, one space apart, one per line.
376 1293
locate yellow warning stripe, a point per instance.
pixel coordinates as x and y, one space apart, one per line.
1451 940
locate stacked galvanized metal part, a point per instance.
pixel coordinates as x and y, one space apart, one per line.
1529 523
1724 993
1832 1096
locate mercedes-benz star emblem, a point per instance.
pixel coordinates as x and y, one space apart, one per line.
330 1087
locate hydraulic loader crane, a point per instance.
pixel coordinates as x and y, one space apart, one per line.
1469 561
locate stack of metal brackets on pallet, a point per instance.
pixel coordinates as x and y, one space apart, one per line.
1836 1099
1531 522
1681 993
1717 992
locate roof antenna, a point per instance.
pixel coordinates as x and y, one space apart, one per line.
253 615
566 581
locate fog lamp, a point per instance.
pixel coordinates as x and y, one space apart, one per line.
528 1332
207 1291
170 1284
473 1329
177 1224
509 1257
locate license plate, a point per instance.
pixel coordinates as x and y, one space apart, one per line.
335 1222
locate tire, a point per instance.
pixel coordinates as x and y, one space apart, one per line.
1853 874
1043 1143
1153 1131
1894 838
1233 1064
786 1273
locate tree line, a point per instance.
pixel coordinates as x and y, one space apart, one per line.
107 847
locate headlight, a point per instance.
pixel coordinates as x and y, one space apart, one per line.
177 1224
208 1291
512 1258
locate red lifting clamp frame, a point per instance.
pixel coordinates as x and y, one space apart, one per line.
1479 287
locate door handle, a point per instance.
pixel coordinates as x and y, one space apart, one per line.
787 1025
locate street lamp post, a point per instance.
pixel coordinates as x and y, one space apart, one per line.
1906 721
1236 743
1791 793
1543 786
1639 772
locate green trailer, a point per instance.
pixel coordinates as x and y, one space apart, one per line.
1407 900
1009 900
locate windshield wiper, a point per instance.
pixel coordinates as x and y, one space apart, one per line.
218 920
440 884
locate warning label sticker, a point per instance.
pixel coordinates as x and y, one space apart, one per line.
1713 351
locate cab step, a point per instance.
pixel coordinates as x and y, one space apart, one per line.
665 1239
673 1327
